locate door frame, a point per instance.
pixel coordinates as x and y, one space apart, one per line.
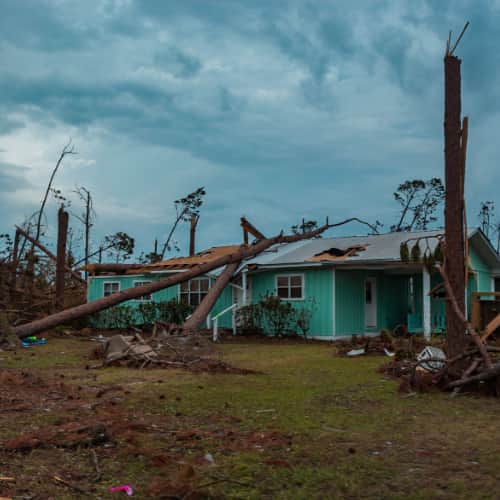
373 304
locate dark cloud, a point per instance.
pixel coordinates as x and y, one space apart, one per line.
296 101
178 63
12 177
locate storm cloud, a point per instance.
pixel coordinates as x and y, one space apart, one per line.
281 110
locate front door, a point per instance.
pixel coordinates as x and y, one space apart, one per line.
370 303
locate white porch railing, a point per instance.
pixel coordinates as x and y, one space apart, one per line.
215 319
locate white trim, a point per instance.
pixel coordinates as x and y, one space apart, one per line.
196 278
334 309
289 275
139 299
244 284
111 283
426 303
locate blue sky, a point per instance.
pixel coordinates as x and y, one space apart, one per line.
282 110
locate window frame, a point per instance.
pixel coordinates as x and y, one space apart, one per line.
289 276
141 298
104 283
201 294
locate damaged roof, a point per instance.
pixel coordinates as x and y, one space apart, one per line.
180 263
369 249
343 250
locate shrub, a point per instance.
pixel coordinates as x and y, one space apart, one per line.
148 312
276 314
303 315
114 317
173 311
249 319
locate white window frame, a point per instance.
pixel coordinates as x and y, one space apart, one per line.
290 275
141 298
189 292
104 283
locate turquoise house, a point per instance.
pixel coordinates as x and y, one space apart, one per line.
359 284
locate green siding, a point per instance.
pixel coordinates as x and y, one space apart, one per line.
317 284
95 290
225 300
392 301
482 271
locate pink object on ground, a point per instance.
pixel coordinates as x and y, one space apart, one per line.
124 487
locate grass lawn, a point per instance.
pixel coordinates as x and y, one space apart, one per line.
308 425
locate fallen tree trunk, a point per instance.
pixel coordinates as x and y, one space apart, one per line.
194 322
244 252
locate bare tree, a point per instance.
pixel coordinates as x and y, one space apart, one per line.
87 219
67 150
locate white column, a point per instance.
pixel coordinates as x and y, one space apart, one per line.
426 301
244 285
334 312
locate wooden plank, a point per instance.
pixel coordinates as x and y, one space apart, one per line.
491 327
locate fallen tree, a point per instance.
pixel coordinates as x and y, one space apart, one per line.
195 321
244 252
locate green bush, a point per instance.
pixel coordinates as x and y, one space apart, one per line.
173 311
249 319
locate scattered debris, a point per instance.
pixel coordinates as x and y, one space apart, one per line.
126 488
32 340
431 359
356 352
167 347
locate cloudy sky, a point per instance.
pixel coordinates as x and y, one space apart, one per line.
282 110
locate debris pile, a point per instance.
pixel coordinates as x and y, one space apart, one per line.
384 344
167 346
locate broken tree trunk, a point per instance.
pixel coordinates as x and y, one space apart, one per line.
200 314
49 254
15 261
454 220
244 252
192 234
250 228
62 236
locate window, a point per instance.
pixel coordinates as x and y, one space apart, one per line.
110 287
142 298
290 286
193 291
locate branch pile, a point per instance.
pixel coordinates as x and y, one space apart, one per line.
167 347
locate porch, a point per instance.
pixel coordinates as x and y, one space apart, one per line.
368 300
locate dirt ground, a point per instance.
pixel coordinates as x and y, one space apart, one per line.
306 424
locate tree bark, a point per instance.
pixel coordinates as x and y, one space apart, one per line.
62 236
244 252
192 234
200 314
454 220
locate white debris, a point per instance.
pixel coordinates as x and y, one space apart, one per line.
356 352
432 353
